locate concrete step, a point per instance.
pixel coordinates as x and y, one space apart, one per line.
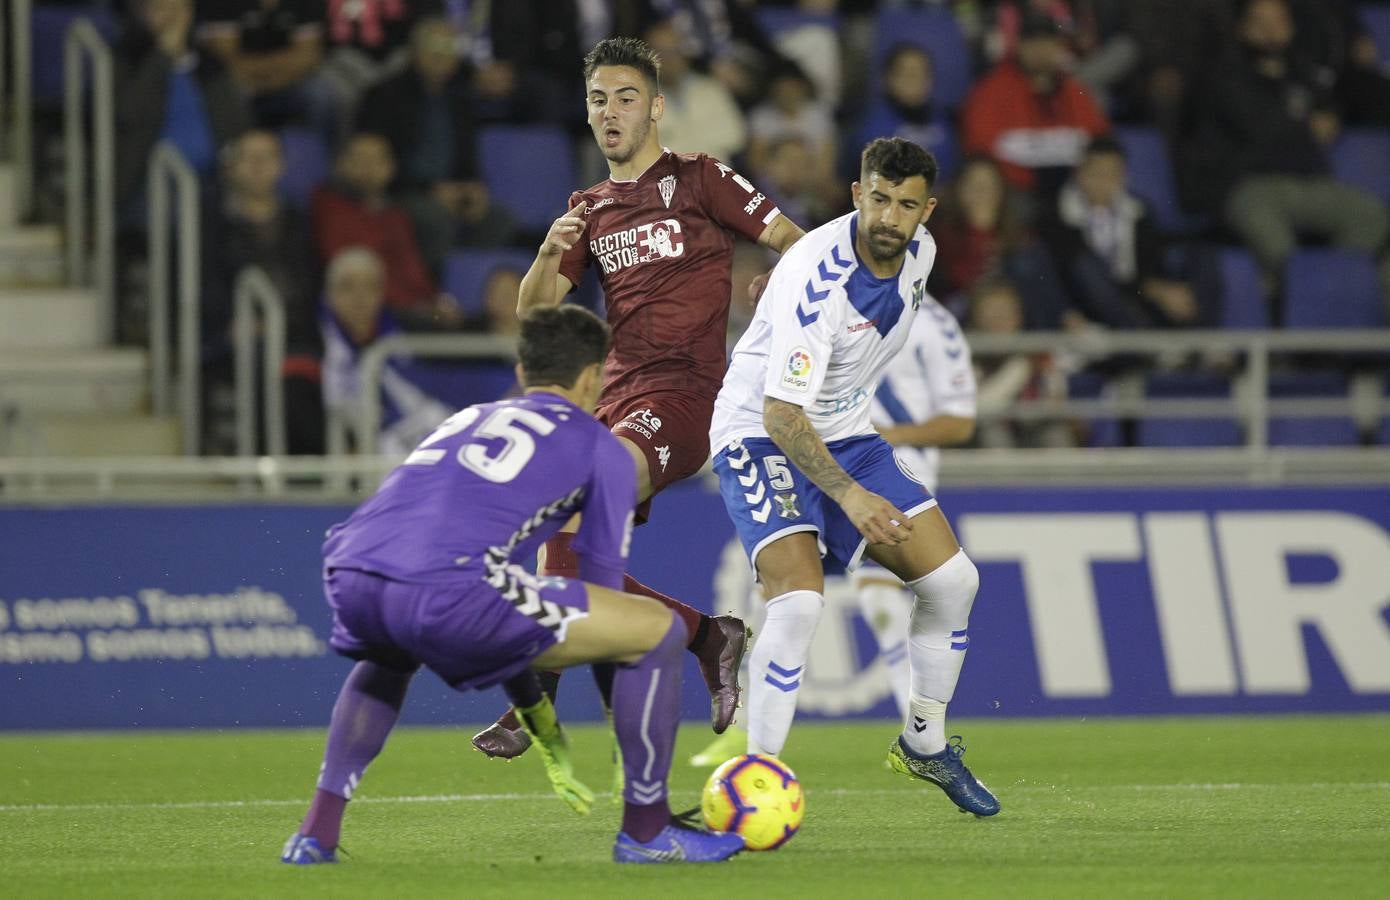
110 380
9 211
59 435
51 318
31 256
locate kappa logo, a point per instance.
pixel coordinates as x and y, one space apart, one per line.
667 187
786 506
606 201
663 456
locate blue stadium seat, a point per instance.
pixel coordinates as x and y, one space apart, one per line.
1187 432
466 273
1151 175
1362 157
1315 431
1087 385
529 170
49 28
306 164
1242 295
1377 21
1332 289
775 20
937 32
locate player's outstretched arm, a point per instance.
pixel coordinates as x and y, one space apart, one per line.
877 519
543 286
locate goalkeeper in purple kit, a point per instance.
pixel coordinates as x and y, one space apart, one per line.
428 573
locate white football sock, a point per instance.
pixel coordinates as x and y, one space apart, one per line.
776 667
887 608
936 646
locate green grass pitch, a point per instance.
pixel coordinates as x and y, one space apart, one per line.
1199 807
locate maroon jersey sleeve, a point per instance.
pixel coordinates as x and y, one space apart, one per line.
577 258
733 201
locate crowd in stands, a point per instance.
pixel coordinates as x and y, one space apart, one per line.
1104 161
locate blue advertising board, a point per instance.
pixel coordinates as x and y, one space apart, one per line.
1093 601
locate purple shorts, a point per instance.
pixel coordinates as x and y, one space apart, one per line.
473 633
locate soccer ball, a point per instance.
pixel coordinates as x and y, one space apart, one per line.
755 796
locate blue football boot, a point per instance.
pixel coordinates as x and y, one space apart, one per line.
676 844
946 771
302 850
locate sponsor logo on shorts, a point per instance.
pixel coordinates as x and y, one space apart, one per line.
799 366
643 422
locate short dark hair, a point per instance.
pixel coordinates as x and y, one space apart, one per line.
1104 145
560 342
898 160
625 51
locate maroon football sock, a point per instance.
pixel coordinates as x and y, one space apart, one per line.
696 622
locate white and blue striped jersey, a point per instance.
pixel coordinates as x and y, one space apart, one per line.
931 376
824 330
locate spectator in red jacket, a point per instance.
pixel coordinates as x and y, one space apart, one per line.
1030 114
356 210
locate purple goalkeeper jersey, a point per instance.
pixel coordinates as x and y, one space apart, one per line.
487 488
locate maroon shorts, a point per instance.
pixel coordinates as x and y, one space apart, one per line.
672 430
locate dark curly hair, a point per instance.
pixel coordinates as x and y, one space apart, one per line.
897 160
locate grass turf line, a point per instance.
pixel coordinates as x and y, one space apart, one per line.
1200 807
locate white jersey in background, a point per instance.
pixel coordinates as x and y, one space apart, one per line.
931 376
821 341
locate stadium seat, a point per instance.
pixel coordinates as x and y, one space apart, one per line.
466 273
1242 295
1311 431
1332 289
49 29
1362 157
529 170
776 20
1187 432
306 164
937 32
1151 176
1088 385
1377 21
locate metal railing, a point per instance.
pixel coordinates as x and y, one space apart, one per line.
373 361
21 110
168 164
83 41
258 301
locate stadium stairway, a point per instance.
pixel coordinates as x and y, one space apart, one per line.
63 391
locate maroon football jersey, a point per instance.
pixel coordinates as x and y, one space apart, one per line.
664 248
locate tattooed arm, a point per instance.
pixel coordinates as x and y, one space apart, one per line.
876 518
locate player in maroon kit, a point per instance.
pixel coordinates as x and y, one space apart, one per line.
661 231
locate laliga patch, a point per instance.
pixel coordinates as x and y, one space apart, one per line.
796 374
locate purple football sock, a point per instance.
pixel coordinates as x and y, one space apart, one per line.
367 708
646 709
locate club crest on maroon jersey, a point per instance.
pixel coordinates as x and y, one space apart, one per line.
667 186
